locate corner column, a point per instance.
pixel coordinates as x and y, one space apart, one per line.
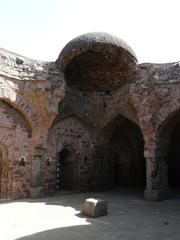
36 184
156 177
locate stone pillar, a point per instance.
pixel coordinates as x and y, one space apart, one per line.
156 177
36 184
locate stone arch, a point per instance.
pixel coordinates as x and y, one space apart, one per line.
71 126
166 125
19 112
168 147
71 132
166 113
10 96
127 112
28 112
119 155
25 111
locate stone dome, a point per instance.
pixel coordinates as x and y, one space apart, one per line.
97 62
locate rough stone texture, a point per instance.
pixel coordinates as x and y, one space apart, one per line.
30 92
74 135
95 207
117 118
95 59
90 40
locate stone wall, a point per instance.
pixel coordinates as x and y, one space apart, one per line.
72 133
149 97
29 92
15 145
109 101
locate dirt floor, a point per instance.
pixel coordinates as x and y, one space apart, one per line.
60 218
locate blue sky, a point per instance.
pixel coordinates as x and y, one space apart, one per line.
39 29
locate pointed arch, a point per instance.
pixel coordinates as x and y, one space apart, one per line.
119 159
9 95
73 133
165 128
25 111
166 113
19 112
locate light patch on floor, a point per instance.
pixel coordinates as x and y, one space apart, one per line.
20 219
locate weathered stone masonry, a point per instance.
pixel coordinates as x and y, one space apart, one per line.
93 120
30 92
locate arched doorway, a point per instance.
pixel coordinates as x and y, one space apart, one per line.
66 170
119 159
127 152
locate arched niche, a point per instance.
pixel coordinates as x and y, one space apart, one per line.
119 160
70 138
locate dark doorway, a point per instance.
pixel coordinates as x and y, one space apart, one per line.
173 160
119 161
122 167
66 170
128 161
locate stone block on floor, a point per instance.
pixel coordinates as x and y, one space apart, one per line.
95 207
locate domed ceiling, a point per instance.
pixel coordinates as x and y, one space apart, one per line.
97 62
